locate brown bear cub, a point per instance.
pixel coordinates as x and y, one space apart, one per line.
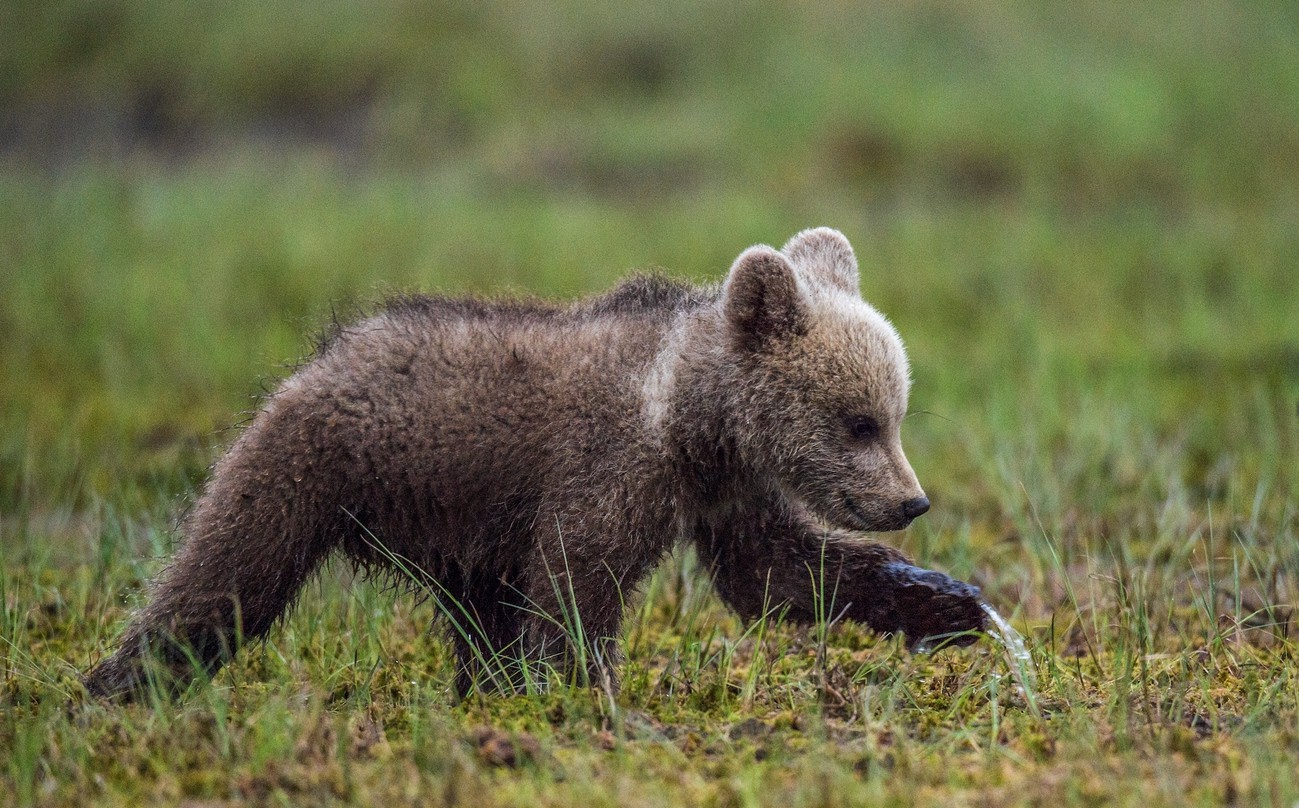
530 464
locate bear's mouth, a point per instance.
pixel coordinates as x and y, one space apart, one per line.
854 510
865 520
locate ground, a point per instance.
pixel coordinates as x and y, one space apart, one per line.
1085 228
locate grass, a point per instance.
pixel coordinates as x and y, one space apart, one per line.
1086 229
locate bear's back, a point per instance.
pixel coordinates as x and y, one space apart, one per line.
534 371
649 295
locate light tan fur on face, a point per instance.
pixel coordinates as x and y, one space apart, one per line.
843 359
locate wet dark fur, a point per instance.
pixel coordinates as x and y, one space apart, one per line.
509 453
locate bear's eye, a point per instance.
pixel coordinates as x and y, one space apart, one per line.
863 427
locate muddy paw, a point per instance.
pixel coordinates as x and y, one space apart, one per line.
935 610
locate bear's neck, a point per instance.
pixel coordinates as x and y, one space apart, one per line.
685 409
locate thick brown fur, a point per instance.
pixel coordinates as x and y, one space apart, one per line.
528 462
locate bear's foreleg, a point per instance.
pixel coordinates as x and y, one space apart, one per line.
773 562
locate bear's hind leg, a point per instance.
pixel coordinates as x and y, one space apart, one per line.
263 526
572 626
487 631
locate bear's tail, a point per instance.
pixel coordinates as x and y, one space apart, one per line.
263 526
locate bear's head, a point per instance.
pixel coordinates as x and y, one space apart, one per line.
821 384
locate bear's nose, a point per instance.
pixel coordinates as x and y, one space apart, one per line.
915 507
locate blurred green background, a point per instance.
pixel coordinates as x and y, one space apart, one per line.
1083 217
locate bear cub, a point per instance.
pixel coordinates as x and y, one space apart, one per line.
529 462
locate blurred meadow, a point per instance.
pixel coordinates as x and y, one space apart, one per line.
1083 218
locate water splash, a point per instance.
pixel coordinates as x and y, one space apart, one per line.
1017 655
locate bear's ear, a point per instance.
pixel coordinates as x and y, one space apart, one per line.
825 256
761 298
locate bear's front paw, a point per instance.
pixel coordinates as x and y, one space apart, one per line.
935 610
